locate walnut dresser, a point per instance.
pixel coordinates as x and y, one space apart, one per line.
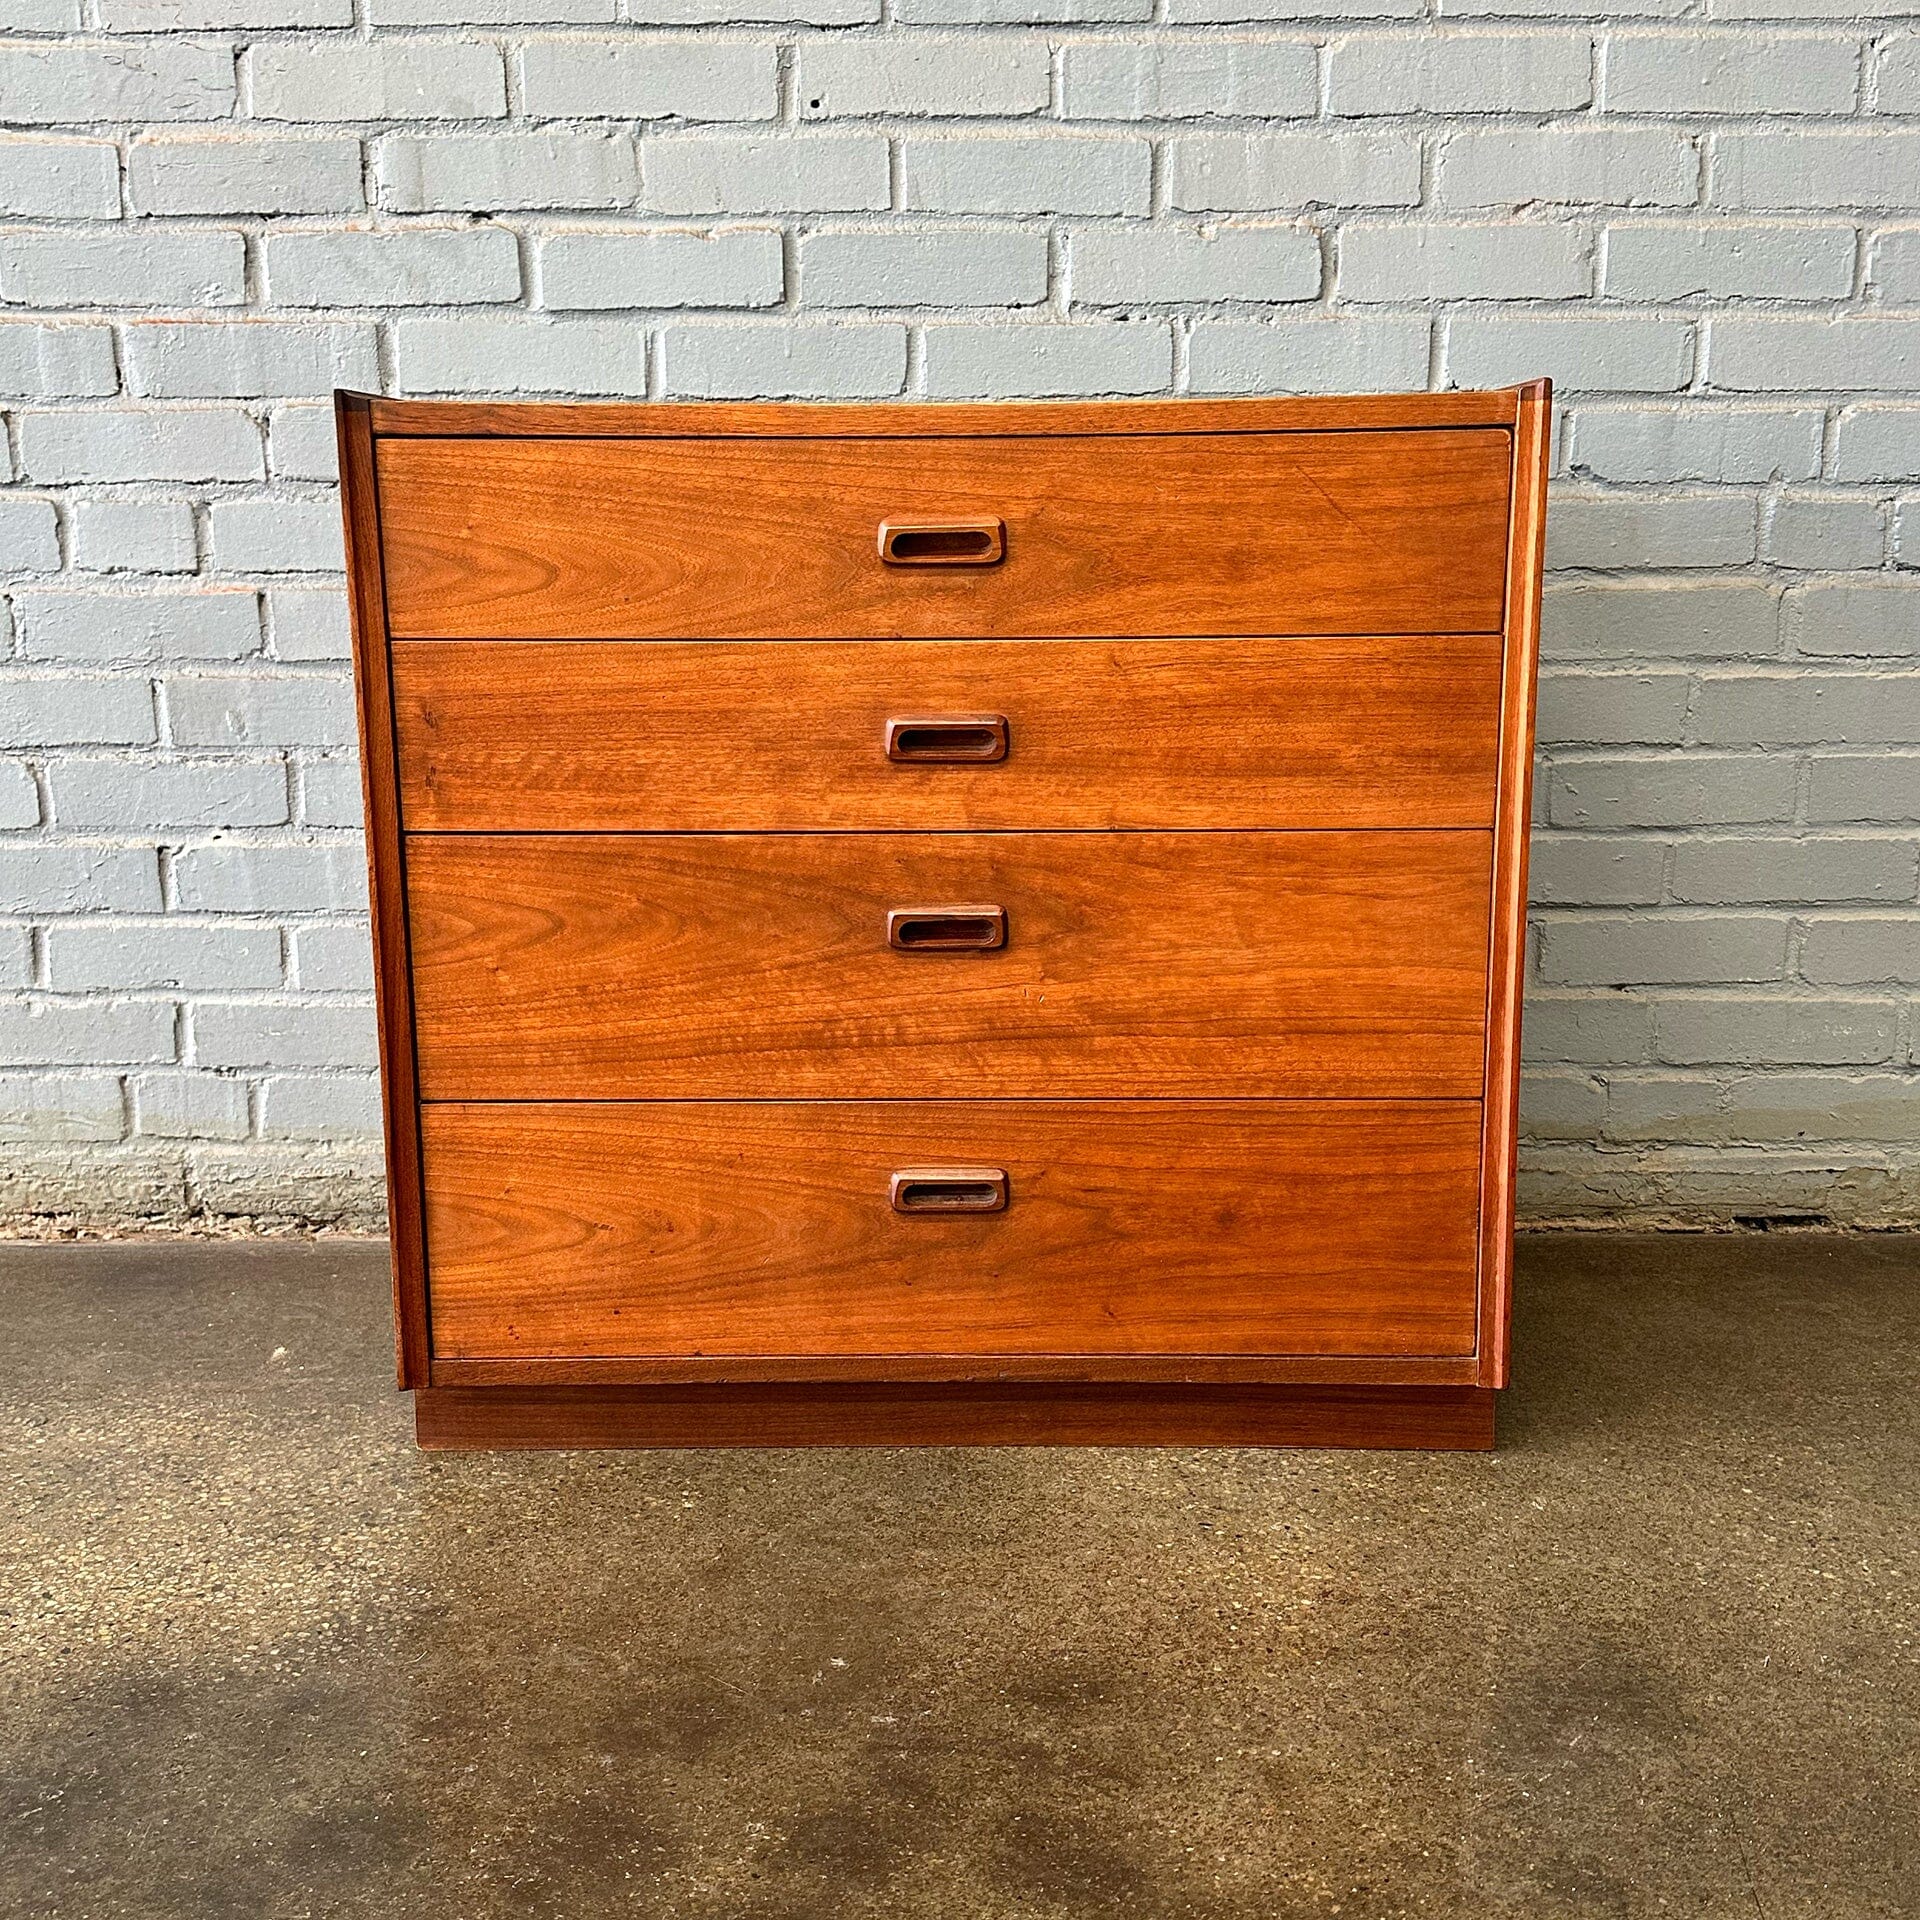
949 923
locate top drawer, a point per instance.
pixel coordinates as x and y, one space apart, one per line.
1243 533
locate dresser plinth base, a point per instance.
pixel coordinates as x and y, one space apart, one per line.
956 1413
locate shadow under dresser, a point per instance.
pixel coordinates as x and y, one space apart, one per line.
989 924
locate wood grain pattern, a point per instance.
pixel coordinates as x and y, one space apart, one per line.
393 991
867 420
763 539
997 1415
1166 1369
666 967
758 1226
1506 973
667 737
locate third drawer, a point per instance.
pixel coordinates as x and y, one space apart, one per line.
986 966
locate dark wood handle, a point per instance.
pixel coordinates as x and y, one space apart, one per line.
951 736
946 929
943 543
948 1190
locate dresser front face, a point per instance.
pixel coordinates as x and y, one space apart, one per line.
964 893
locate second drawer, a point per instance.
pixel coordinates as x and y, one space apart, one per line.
990 966
816 736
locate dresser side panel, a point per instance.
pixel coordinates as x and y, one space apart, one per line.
1532 441
393 983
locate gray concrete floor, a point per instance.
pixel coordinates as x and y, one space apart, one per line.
1656 1656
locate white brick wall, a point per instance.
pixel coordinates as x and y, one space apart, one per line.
1707 229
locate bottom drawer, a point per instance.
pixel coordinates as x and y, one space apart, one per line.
1122 1227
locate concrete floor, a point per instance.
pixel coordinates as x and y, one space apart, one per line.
1656 1656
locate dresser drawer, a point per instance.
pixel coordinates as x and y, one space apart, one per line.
1152 533
818 735
731 966
771 1228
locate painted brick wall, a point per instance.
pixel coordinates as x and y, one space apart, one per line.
1703 220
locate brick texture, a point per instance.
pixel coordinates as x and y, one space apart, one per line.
1703 222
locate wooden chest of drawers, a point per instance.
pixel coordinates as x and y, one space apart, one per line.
988 923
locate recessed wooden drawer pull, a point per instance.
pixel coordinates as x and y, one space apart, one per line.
958 736
943 543
946 929
948 1190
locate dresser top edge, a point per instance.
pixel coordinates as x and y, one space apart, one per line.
790 419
